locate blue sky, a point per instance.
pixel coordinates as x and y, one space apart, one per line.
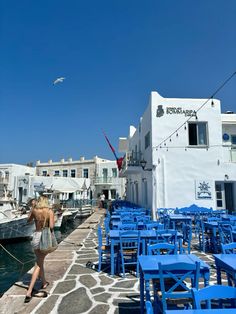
113 54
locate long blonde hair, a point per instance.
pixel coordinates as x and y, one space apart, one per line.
42 202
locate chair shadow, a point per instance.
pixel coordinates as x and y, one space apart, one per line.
127 307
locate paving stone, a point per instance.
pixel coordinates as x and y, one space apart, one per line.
105 280
97 290
48 306
70 277
125 284
101 309
75 302
126 303
64 287
102 297
77 269
88 281
85 252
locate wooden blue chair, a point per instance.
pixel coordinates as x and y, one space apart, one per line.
177 291
128 226
229 248
103 250
162 248
225 232
149 308
212 293
129 250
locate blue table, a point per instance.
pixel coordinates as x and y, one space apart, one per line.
149 270
174 218
145 235
203 311
227 263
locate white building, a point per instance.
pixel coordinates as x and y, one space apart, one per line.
103 174
188 150
8 175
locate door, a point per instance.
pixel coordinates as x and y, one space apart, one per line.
104 174
220 195
229 197
20 195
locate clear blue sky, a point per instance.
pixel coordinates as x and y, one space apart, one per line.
113 54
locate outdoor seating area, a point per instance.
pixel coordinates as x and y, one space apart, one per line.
164 254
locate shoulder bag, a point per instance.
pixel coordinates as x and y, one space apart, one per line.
48 242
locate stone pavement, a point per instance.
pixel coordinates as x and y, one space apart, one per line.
76 289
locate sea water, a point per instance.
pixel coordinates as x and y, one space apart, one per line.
22 257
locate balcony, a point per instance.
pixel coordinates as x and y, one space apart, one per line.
103 180
131 163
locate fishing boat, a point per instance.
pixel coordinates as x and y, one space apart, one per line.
13 223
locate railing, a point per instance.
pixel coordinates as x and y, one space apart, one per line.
104 180
132 159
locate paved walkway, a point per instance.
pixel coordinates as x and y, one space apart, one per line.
76 289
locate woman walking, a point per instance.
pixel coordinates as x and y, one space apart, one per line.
42 216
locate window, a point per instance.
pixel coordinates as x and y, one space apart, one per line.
44 173
65 173
147 140
72 173
197 133
233 140
114 172
56 173
85 173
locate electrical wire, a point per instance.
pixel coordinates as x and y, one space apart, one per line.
196 111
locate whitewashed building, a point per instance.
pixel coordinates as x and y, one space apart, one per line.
183 152
103 174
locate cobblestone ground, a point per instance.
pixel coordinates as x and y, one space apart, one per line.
80 289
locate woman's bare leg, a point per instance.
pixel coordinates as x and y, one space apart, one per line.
37 270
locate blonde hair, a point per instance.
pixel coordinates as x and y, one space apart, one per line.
42 202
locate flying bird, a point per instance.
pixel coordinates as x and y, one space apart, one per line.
59 80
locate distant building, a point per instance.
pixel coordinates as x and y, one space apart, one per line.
103 174
178 155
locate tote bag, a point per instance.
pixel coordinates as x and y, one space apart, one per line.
48 241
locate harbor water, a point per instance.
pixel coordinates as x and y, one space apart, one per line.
13 266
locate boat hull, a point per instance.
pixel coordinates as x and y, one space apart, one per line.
16 228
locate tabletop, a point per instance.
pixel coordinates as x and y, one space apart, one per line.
227 259
143 233
150 262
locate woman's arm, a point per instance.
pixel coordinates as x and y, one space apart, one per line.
51 219
31 216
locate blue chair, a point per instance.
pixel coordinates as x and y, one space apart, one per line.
129 250
166 236
229 248
162 248
128 226
187 236
149 308
103 250
212 293
176 291
154 225
225 232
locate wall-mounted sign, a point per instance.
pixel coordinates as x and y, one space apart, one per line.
225 137
175 110
203 189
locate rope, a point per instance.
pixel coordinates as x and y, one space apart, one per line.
15 258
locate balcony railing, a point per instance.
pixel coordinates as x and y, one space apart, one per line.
103 180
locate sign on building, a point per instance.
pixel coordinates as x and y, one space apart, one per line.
203 189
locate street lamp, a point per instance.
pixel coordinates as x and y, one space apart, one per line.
143 165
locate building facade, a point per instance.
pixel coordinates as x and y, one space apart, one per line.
103 174
182 152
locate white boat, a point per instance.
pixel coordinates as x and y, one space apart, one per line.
13 224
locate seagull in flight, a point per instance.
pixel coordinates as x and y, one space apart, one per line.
59 80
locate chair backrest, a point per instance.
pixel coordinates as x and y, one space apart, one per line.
177 288
212 293
149 308
154 225
225 232
130 239
209 219
229 248
128 226
162 248
167 236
